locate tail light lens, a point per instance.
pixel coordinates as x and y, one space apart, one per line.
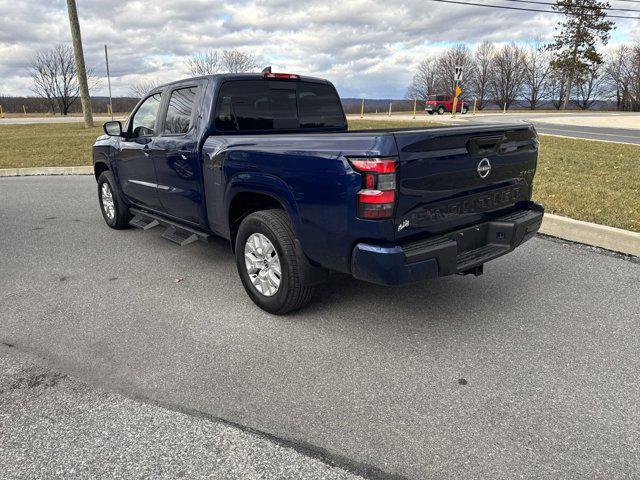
377 198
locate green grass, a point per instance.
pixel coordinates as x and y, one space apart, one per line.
592 181
586 180
365 124
46 144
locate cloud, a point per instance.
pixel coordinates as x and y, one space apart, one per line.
365 47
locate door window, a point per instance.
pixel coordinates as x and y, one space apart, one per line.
180 110
144 121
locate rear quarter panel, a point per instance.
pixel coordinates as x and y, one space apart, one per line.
309 174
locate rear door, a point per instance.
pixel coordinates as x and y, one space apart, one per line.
134 161
176 155
452 177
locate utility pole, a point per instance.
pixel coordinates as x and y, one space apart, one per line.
82 72
106 59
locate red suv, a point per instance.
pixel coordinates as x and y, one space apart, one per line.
444 103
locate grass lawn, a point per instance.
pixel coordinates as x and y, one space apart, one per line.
46 144
365 124
592 181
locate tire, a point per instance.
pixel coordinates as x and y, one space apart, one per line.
275 226
431 112
120 216
464 110
440 110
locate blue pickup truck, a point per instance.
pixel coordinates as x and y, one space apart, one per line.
265 160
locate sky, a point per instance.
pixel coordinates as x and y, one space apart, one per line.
366 48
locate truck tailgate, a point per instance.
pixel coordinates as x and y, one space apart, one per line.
452 177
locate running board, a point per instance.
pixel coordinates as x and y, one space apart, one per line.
179 236
176 233
143 222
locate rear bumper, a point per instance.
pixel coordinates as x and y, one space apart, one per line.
455 252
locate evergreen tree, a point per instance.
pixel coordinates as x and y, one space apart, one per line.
577 36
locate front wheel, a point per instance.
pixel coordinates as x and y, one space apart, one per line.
431 112
115 212
464 110
267 262
440 110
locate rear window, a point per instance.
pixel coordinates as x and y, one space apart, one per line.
277 105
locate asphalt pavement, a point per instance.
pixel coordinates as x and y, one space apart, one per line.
621 127
607 126
54 426
528 371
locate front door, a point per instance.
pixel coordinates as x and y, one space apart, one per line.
135 161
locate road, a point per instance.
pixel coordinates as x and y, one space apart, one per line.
608 126
528 371
54 426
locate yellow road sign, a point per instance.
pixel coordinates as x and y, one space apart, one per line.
458 90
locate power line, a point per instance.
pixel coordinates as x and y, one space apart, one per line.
577 6
527 9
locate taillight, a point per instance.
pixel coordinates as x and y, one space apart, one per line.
377 197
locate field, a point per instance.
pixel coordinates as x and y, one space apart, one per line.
586 180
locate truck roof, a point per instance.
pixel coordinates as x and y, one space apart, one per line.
236 76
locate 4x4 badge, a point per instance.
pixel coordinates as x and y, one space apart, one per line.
484 167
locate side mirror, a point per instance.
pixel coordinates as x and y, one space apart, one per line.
113 128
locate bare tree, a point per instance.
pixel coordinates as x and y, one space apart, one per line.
481 80
423 83
537 69
235 61
207 63
589 87
43 71
507 74
631 98
557 87
615 73
212 62
140 89
446 63
55 78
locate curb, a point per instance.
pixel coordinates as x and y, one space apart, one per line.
609 238
22 172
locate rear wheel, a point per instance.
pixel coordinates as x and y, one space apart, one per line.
267 262
114 211
440 110
464 110
430 112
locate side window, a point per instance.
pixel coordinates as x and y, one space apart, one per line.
180 110
145 119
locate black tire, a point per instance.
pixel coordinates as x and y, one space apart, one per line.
464 110
440 110
121 216
276 226
431 112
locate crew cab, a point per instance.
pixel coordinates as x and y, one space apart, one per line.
265 160
444 103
